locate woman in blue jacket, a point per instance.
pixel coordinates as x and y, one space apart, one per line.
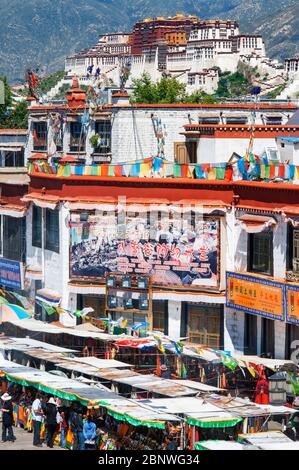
89 433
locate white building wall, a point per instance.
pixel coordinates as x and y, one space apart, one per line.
174 318
234 330
280 336
216 150
279 248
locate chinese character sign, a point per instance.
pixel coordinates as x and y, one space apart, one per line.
254 295
11 274
171 255
292 298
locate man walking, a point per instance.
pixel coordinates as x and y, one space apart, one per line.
37 417
7 418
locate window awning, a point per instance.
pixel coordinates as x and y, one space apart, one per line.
291 214
43 201
256 223
13 211
48 296
11 148
34 273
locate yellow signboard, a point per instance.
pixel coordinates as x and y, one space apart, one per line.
254 295
292 294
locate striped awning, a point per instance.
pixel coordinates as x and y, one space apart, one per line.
34 273
49 297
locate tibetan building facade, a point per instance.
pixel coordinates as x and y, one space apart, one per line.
198 243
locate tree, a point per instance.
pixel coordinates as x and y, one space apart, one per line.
166 90
233 84
200 96
4 108
18 118
170 90
144 90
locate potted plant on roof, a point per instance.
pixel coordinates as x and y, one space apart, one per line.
95 141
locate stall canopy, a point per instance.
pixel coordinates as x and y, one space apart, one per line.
198 386
22 344
272 440
221 445
270 363
120 408
245 408
102 363
196 411
38 326
165 387
136 414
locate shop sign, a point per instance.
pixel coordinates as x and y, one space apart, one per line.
11 274
292 301
172 256
255 295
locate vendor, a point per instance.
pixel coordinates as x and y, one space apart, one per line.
165 372
294 422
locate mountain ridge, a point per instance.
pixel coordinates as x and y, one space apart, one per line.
43 32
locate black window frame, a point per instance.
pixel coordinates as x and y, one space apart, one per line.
14 245
52 232
14 159
104 129
37 214
42 136
252 237
77 137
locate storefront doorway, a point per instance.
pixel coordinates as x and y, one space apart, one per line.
250 334
292 334
268 340
204 324
97 302
160 316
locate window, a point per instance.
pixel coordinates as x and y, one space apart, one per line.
296 251
95 302
77 138
267 338
52 230
40 136
260 253
14 238
103 128
205 325
37 227
13 159
250 334
160 316
236 120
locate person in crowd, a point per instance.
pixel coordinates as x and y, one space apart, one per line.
63 427
37 418
7 418
89 432
294 423
51 421
165 372
262 391
76 426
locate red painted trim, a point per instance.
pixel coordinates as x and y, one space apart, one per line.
219 105
256 127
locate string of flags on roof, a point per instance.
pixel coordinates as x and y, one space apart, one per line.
253 169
